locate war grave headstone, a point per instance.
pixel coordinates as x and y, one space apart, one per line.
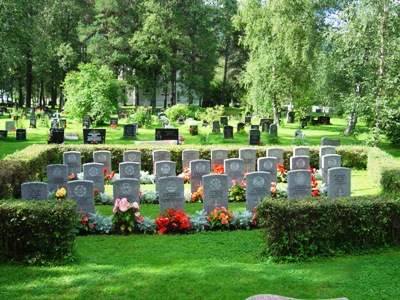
330 142
268 164
329 161
129 131
273 130
240 126
72 159
275 152
254 137
228 132
94 136
94 172
299 184
198 168
34 191
301 151
234 168
325 150
223 120
188 155
57 177
163 134
129 170
171 193
218 156
20 134
164 169
258 186
103 157
86 122
82 192
132 156
160 155
339 182
299 163
249 157
215 191
247 120
126 188
215 126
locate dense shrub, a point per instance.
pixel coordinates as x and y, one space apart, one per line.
303 228
37 231
177 111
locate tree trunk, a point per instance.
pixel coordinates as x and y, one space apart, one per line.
275 110
173 86
224 79
29 78
351 124
53 95
20 93
41 94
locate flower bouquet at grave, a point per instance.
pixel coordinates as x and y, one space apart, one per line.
113 126
237 192
85 223
314 184
60 194
181 140
220 218
126 216
277 191
72 177
173 221
108 178
185 175
281 173
198 196
218 169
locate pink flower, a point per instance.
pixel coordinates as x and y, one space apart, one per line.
124 206
135 205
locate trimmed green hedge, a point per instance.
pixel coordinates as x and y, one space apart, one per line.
30 164
384 169
303 228
37 231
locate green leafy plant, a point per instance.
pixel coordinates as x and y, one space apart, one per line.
220 218
237 192
126 216
173 221
177 111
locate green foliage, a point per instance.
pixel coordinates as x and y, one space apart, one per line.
93 92
142 115
37 232
195 111
212 113
304 228
177 111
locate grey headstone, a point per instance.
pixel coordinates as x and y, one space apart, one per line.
215 126
126 188
188 155
57 177
73 160
258 186
330 142
198 168
160 155
164 168
268 164
171 193
34 191
301 151
234 168
215 190
249 157
94 172
103 157
275 152
299 163
10 126
339 182
273 130
218 156
325 150
299 184
129 170
132 156
330 161
81 191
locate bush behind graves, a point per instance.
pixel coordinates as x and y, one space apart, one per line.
304 228
37 232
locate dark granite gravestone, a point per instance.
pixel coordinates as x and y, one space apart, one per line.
265 123
290 117
113 121
21 135
273 130
194 130
254 137
129 131
247 120
228 132
56 136
86 122
122 113
323 120
94 136
240 126
224 120
215 126
3 134
181 121
162 134
254 127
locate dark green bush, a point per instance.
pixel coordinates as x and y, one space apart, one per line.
303 228
37 231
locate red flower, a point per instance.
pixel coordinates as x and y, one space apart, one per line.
315 193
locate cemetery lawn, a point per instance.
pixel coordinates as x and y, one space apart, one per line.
210 265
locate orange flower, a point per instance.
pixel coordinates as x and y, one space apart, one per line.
95 192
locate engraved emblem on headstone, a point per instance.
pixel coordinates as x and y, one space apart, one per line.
72 158
57 172
268 165
130 170
234 166
258 181
165 169
126 188
300 163
200 168
80 190
300 179
219 155
247 155
93 171
215 184
171 186
102 157
132 156
332 162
